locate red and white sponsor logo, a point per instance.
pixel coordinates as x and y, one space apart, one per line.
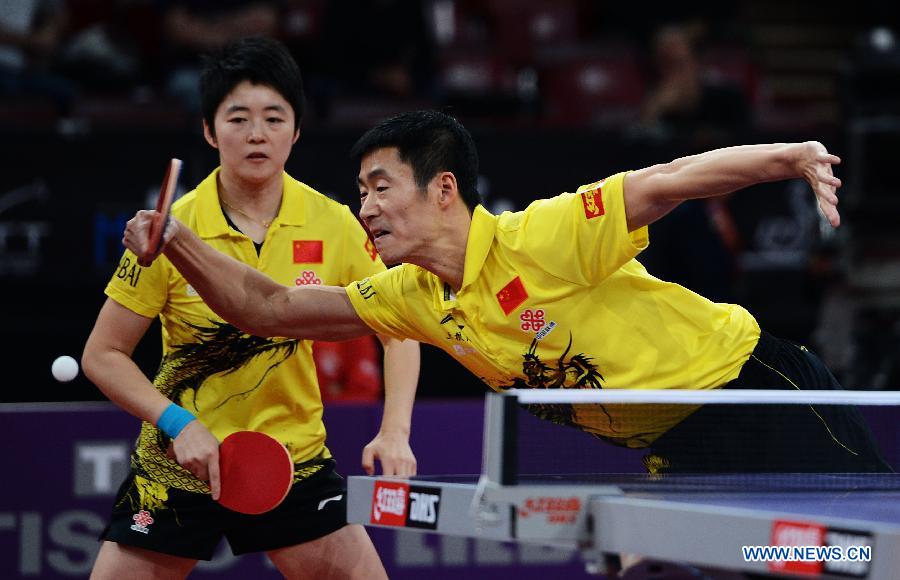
557 510
593 202
142 521
306 278
389 501
788 533
532 320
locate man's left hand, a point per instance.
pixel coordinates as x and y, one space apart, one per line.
815 165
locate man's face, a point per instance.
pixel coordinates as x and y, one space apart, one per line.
254 132
399 215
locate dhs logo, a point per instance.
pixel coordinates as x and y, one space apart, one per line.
400 504
424 507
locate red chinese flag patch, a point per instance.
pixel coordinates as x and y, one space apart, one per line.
512 295
593 203
307 251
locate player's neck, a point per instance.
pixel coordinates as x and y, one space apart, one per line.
449 266
257 201
445 255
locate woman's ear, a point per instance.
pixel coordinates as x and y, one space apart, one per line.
209 135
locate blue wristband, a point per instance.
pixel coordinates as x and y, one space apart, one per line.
174 419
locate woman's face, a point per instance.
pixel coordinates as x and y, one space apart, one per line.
254 132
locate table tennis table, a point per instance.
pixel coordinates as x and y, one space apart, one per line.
704 520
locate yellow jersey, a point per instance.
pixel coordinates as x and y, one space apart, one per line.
553 297
231 380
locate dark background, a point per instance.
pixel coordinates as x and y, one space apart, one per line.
555 95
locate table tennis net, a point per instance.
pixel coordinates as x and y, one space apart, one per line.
579 433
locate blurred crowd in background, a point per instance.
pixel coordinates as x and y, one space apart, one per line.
671 79
723 65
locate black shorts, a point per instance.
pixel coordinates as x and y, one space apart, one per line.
191 525
772 438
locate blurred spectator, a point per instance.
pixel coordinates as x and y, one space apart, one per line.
100 53
30 36
382 48
349 370
301 32
696 244
688 103
632 22
476 23
194 27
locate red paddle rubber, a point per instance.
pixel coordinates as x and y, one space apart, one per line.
256 472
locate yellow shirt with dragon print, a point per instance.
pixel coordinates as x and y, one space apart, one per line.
233 381
553 297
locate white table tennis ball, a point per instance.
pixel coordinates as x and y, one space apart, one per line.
64 369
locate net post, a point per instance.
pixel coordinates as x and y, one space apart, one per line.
500 445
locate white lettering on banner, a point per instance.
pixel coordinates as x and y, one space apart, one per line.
491 553
417 550
73 534
64 544
99 467
30 544
71 546
454 551
422 507
67 530
101 457
390 501
411 549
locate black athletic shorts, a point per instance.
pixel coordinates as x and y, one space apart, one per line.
772 438
191 525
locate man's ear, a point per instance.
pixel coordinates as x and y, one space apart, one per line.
209 136
296 136
449 188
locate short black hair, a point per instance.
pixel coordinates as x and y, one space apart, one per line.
429 142
260 60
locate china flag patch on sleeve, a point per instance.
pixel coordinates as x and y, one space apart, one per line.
512 295
593 202
307 251
370 249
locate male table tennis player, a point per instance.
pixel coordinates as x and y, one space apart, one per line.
554 297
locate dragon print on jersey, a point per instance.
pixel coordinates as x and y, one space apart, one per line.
220 349
575 372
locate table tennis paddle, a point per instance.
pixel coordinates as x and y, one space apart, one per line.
256 472
164 203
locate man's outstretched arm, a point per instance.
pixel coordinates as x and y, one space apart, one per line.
245 297
653 192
